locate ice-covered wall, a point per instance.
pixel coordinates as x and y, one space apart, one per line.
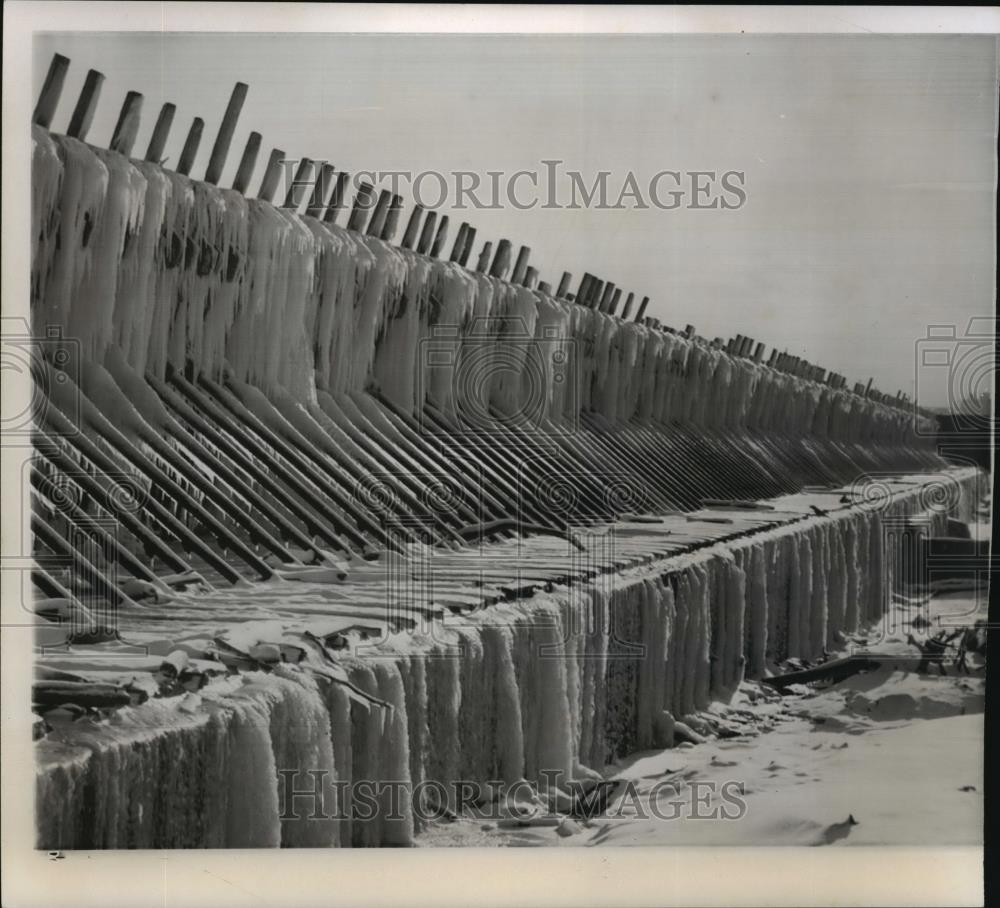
147 272
546 689
173 271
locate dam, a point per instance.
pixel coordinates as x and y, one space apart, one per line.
313 508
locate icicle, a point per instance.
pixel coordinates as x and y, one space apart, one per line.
852 585
46 188
819 638
758 602
444 309
81 205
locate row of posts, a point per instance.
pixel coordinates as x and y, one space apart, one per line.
378 214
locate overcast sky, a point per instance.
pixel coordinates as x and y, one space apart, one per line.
869 161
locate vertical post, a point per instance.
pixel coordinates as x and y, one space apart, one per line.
459 244
392 218
470 238
363 201
220 149
605 302
127 127
337 199
158 141
642 308
629 303
615 299
501 261
584 289
247 163
300 182
191 144
482 266
442 235
427 234
545 287
377 221
52 88
272 174
758 354
595 294
521 265
412 227
324 181
83 113
530 277
564 283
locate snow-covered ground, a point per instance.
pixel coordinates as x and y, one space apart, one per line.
886 757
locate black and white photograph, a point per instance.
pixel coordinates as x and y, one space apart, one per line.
499 438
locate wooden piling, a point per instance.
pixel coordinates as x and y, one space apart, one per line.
427 234
161 131
191 144
83 113
564 283
459 244
470 238
530 277
615 299
376 223
392 218
545 287
336 203
364 199
300 182
595 293
217 160
442 235
272 174
247 163
642 308
412 227
482 266
322 186
584 289
52 88
521 265
127 127
605 301
629 303
758 354
501 261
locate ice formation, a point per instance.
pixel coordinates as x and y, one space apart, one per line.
256 371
